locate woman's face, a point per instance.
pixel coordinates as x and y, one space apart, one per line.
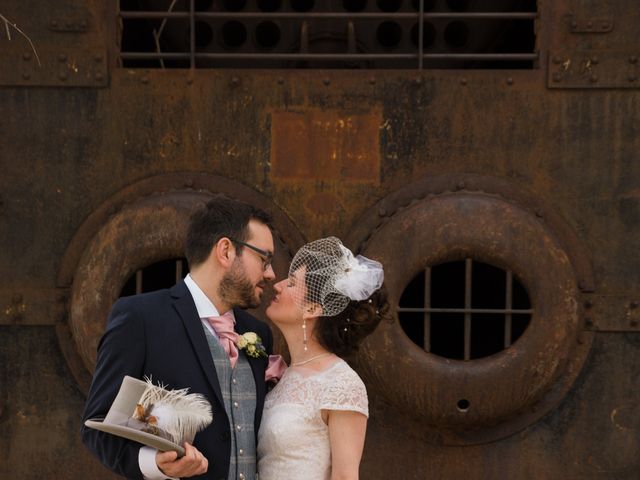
287 303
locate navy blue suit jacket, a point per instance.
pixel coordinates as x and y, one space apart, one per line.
160 335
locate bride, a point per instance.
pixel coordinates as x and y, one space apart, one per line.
314 420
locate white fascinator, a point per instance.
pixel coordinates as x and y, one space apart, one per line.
327 273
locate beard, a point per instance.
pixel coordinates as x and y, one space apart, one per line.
236 289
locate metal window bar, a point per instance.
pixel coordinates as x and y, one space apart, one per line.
467 305
178 270
138 282
508 304
155 15
304 54
192 34
427 305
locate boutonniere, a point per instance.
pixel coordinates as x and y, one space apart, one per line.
251 343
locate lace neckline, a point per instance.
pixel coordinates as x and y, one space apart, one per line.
306 372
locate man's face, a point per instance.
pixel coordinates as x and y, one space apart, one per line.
243 285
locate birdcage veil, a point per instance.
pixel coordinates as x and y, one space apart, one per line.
332 276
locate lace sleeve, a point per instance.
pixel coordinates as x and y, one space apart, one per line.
346 391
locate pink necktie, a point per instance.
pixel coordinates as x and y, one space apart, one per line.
223 326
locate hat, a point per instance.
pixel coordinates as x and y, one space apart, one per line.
154 416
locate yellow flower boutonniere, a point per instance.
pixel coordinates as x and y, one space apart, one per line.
251 343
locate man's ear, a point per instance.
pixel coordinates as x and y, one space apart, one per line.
312 310
224 252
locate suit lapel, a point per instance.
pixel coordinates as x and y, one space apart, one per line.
186 308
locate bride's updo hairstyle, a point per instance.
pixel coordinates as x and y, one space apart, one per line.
348 289
343 333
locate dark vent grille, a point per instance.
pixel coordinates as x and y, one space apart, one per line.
351 34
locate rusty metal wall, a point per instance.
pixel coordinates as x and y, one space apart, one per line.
86 148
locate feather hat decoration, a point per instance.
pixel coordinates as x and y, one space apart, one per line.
155 416
176 414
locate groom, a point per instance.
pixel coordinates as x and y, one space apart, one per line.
181 338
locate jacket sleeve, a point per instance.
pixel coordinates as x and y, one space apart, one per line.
121 352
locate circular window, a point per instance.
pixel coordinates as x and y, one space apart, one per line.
102 263
464 309
483 281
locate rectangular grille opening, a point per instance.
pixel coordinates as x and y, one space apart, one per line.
333 34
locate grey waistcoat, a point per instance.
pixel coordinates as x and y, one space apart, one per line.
239 394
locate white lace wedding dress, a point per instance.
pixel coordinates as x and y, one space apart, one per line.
293 441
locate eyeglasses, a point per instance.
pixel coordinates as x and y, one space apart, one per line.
266 257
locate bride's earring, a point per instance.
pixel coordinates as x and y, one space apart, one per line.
304 333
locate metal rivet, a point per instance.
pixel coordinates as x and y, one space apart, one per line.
26 75
280 81
62 57
593 78
418 81
461 185
509 81
605 25
326 81
557 60
372 80
235 81
188 183
557 77
26 56
99 77
633 59
83 24
589 24
574 24
54 23
144 80
595 60
189 81
463 81
382 212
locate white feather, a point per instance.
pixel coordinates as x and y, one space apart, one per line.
179 413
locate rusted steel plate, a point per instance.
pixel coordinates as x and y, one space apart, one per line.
53 67
612 313
594 69
313 144
32 306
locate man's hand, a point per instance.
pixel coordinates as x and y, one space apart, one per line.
193 462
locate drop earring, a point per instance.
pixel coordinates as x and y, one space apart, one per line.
304 333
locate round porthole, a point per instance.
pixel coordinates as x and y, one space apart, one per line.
488 332
134 243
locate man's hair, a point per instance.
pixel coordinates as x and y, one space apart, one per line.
218 218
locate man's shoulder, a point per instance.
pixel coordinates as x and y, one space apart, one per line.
143 301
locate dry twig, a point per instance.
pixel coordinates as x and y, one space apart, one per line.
8 24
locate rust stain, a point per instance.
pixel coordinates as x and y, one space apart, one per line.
325 145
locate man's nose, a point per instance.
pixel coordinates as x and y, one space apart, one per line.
269 274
